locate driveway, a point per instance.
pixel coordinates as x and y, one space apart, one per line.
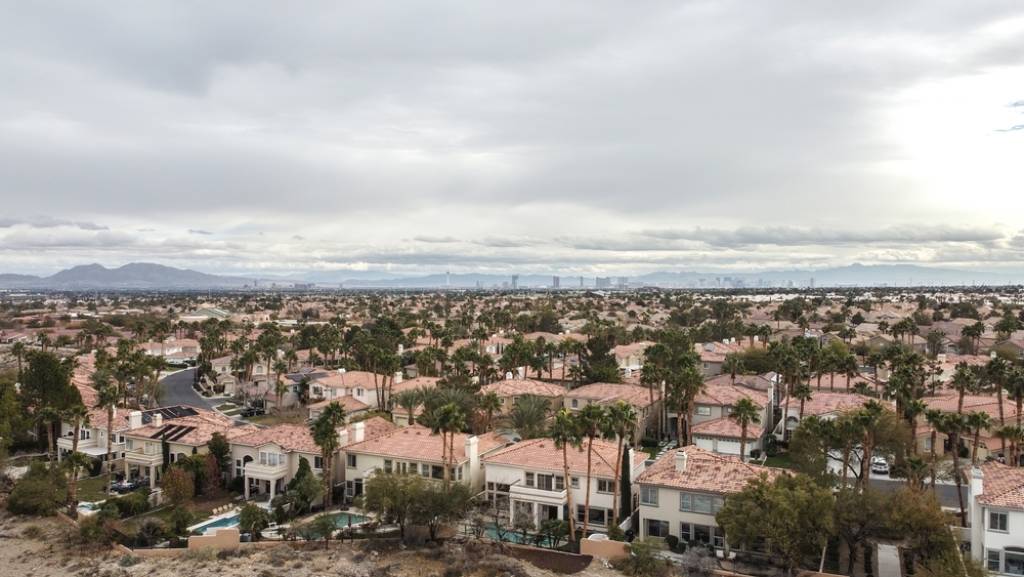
178 390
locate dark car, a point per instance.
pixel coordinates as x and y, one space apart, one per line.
252 412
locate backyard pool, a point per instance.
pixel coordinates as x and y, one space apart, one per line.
220 523
348 519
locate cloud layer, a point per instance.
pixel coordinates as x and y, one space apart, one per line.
578 137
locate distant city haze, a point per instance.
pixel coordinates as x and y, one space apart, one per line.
710 144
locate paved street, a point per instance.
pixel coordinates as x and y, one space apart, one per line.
178 390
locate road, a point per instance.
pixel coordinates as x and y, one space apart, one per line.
178 390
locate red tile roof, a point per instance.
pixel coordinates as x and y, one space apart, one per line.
705 472
541 454
1003 486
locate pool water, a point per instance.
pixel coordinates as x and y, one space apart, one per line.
342 520
222 523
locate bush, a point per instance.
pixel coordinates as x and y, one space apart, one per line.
180 519
40 492
755 453
672 541
151 532
644 562
93 531
132 504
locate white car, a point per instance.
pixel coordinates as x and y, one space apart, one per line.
879 465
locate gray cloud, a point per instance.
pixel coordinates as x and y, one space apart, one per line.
580 135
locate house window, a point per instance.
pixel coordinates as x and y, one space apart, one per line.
702 534
1013 563
529 480
413 468
597 515
649 495
359 392
993 562
704 411
575 483
350 460
697 503
656 528
604 486
437 472
575 403
318 462
997 521
387 465
685 532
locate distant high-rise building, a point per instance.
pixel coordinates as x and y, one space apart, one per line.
556 282
515 281
448 279
603 282
622 281
581 282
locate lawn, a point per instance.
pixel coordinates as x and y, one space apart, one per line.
781 461
202 509
226 407
92 489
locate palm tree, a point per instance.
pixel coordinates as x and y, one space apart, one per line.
489 403
528 415
325 434
78 415
108 395
868 417
620 424
591 419
732 365
745 412
1015 390
803 394
965 380
565 432
976 421
409 400
953 424
279 387
18 350
997 373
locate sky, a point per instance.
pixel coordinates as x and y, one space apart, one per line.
589 137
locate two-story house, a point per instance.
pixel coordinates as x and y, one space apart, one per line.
172 433
645 402
715 431
509 390
268 459
356 391
683 490
415 450
996 504
528 478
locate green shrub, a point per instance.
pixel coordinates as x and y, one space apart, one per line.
93 531
672 541
41 491
132 504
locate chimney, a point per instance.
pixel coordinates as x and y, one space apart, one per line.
401 348
992 355
158 419
134 419
976 512
473 458
508 375
358 432
398 377
521 372
682 459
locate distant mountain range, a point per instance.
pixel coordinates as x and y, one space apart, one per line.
130 276
155 277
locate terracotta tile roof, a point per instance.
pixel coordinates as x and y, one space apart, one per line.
727 428
519 387
348 402
541 454
607 393
825 402
194 430
348 379
1003 486
706 472
728 395
416 383
417 443
299 438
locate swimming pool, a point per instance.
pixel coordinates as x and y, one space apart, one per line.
346 519
221 523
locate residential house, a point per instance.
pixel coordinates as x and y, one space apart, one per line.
356 391
528 479
631 357
636 396
823 404
416 450
997 518
681 492
172 433
267 459
713 430
510 390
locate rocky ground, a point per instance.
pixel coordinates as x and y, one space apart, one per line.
46 548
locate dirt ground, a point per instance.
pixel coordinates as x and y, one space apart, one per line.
45 548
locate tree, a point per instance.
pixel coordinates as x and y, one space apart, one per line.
40 491
745 413
178 485
977 421
528 416
392 496
75 461
732 365
953 425
253 519
565 432
792 512
325 434
489 404
108 394
859 515
591 421
964 381
619 425
436 505
409 400
219 447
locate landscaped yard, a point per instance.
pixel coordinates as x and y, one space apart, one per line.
288 418
92 489
201 509
781 461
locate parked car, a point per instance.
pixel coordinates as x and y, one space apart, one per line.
879 465
252 412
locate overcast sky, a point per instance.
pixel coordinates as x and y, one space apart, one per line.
573 137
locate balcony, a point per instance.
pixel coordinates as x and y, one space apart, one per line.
524 493
267 472
137 457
